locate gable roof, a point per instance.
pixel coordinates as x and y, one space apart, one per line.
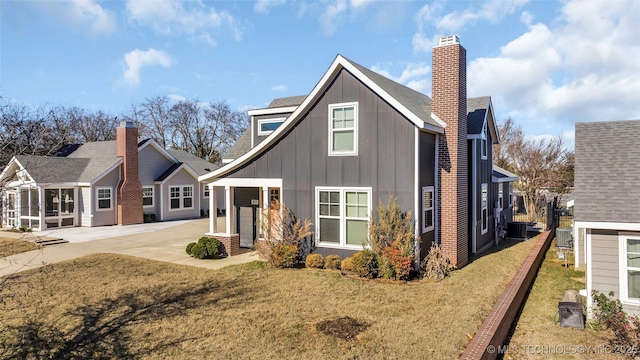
241 147
199 165
501 175
410 103
287 101
479 112
47 169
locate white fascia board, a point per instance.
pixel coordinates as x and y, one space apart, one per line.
6 168
110 169
493 117
437 119
338 63
182 166
503 180
270 111
607 225
247 182
160 149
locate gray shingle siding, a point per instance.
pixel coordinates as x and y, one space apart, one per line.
607 172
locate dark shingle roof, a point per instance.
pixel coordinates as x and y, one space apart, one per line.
607 171
416 102
287 101
50 169
500 173
199 165
241 147
476 110
168 172
101 156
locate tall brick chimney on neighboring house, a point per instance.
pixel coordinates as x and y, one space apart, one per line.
129 191
449 103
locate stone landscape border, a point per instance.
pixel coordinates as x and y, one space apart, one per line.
495 328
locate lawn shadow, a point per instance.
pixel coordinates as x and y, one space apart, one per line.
101 330
502 245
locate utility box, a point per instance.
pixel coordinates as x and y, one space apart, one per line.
570 310
564 238
517 230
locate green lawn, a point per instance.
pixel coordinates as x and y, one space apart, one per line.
111 306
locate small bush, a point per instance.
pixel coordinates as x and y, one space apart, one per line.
437 264
189 247
284 256
347 264
198 251
206 248
365 264
394 265
314 261
332 262
608 313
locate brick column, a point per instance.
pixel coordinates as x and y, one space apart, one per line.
450 104
231 243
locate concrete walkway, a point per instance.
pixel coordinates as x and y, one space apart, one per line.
163 243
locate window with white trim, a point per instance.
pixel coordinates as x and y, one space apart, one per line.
267 126
206 191
147 196
343 129
483 142
343 216
500 197
630 269
180 197
427 208
485 214
104 195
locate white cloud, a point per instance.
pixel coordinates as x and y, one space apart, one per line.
175 98
279 88
451 23
173 17
361 3
332 15
137 59
583 68
263 6
80 13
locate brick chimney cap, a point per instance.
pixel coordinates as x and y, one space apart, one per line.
449 40
127 124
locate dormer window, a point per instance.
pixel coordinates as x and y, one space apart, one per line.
343 129
483 142
267 126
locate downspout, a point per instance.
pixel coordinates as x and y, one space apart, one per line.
436 193
474 195
417 196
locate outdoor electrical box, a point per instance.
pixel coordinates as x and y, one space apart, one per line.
570 310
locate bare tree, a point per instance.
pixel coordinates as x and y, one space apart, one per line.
154 113
541 164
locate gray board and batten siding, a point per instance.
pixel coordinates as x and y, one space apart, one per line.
385 160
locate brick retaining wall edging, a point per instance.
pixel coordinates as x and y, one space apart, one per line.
495 327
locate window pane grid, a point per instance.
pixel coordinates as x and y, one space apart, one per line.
348 227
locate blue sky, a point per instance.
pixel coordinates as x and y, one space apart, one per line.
547 64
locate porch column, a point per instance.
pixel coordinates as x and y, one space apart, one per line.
230 213
213 211
42 209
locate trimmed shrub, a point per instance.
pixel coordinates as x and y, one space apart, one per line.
314 261
198 251
437 264
211 245
284 255
332 262
347 264
189 247
365 264
394 265
206 248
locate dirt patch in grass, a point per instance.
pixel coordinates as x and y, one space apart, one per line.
345 328
113 306
10 246
538 334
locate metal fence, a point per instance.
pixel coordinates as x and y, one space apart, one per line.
549 217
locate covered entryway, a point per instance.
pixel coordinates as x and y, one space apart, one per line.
244 201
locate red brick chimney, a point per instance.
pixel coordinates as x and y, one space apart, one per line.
449 103
129 190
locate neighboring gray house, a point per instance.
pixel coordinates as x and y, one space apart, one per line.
103 183
606 216
332 155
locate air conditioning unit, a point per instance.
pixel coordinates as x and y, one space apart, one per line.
517 229
564 238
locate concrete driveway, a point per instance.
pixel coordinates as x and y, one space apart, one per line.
164 241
